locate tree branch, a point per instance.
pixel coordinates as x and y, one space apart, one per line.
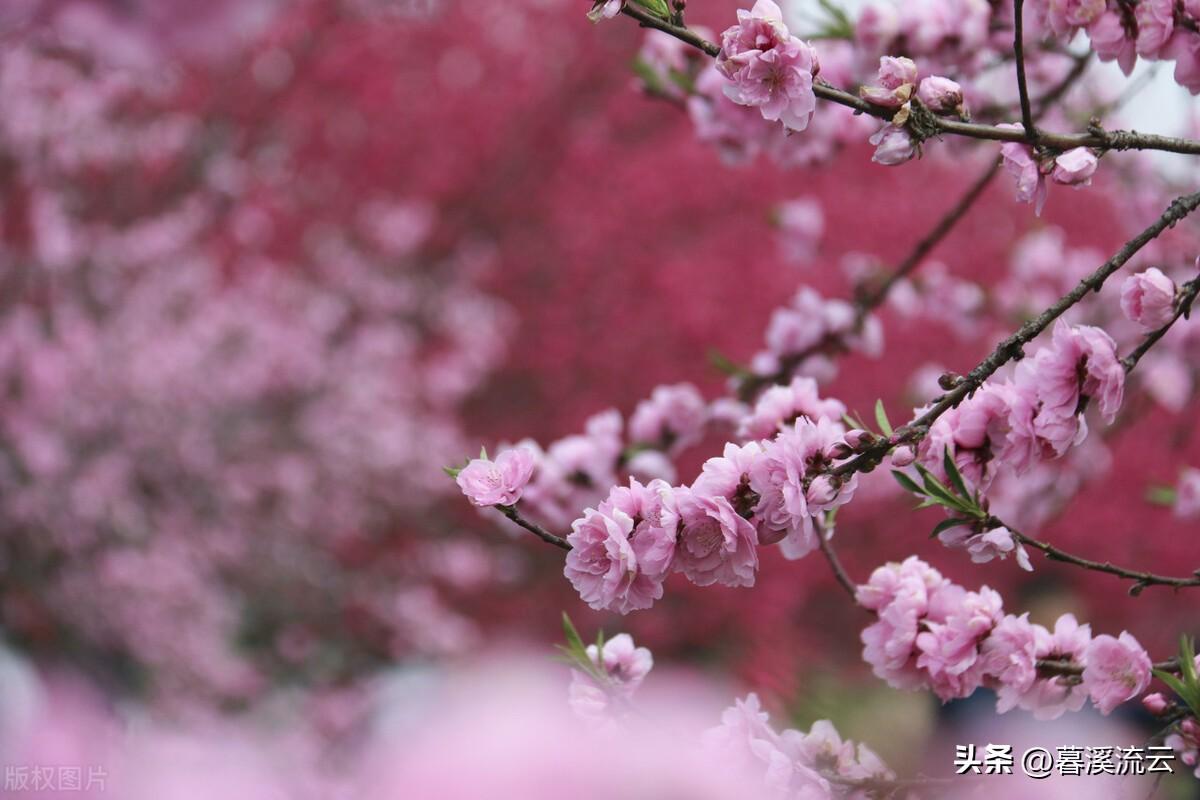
537 530
1012 347
1031 133
1096 138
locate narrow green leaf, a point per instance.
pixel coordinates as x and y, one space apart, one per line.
657 7
483 453
452 471
726 365
1160 496
881 418
853 422
907 483
956 478
572 635
938 491
1187 659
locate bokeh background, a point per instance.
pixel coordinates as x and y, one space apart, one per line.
266 267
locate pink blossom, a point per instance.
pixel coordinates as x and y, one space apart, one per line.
1155 703
499 482
1110 40
716 544
780 406
1187 494
897 78
1081 362
625 665
768 68
648 465
655 522
976 433
801 223
983 547
1049 697
603 567
1021 163
941 95
878 24
1184 47
1115 670
1075 167
738 132
1067 16
901 595
1009 656
1155 25
893 145
786 503
1148 299
605 9
949 650
672 419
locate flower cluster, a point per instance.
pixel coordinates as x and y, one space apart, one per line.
763 492
1038 414
792 763
617 670
803 335
1029 169
896 85
1160 30
932 633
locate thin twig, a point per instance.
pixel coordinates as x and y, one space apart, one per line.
835 565
1141 579
1022 87
1012 347
537 530
1096 138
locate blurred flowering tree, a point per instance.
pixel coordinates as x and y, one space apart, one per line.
264 263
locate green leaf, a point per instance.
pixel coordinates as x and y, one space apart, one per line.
647 75
452 471
938 491
907 483
881 418
1160 496
483 453
727 365
853 422
1187 660
573 640
657 7
956 478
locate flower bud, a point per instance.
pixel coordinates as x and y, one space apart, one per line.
940 95
858 439
1148 298
1075 167
1155 703
839 451
893 146
822 491
903 456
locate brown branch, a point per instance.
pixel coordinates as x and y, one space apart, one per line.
537 530
1096 138
1141 579
835 565
1031 133
1012 347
